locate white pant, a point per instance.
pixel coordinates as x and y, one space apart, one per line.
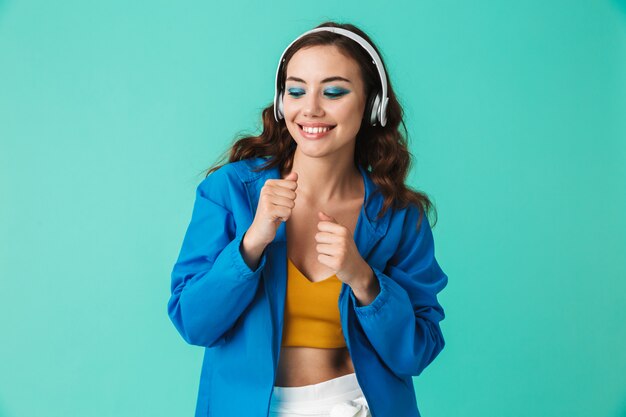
337 397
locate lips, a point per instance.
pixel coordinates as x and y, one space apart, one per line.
314 135
316 125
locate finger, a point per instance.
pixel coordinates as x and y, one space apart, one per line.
283 191
290 180
326 217
326 237
292 185
325 249
281 213
278 200
326 260
331 227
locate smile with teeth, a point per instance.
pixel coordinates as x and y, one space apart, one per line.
315 130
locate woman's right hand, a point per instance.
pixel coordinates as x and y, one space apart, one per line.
276 201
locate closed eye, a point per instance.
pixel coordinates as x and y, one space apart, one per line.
296 93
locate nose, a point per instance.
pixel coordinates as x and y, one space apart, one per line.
312 105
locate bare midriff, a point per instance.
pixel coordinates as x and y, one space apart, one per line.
300 365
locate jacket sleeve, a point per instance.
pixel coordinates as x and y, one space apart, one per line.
402 322
211 284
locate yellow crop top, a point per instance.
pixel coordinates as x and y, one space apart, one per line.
311 311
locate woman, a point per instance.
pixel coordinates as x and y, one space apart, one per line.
310 280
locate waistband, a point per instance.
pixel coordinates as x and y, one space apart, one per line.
345 387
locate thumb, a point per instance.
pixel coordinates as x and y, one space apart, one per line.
292 176
326 217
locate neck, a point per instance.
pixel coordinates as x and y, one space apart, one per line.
325 180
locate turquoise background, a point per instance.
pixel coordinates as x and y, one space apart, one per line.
110 111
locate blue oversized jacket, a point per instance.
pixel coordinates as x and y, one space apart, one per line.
236 313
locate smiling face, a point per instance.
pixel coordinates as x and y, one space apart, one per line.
323 87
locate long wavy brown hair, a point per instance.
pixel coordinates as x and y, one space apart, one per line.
381 150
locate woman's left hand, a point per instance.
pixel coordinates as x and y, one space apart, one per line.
337 250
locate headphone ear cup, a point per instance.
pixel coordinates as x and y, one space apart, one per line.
280 113
371 109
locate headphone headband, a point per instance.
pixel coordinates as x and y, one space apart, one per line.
379 112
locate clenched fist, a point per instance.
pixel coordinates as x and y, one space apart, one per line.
276 201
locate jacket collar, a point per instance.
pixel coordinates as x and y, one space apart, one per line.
368 229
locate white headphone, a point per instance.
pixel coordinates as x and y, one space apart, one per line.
376 106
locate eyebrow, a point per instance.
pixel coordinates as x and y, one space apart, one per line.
325 80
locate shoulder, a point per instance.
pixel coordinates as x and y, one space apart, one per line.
231 178
404 220
235 171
